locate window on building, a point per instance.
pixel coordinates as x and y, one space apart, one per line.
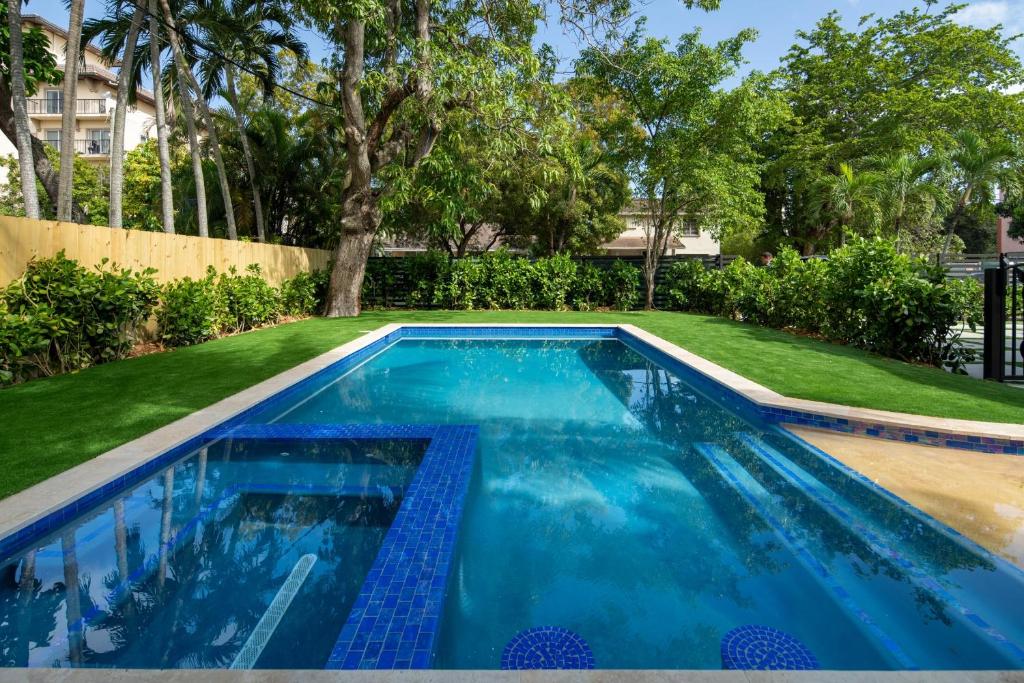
52 136
54 101
98 141
690 228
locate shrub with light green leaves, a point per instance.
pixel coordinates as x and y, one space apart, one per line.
86 316
192 311
554 277
251 302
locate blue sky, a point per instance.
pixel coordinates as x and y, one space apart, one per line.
776 21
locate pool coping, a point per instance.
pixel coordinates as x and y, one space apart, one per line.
26 507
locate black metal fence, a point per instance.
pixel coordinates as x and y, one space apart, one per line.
1004 320
389 283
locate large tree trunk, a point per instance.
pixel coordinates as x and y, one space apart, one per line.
44 170
190 121
163 132
68 121
250 167
125 82
23 135
359 223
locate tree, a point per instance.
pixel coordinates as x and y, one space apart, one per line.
23 135
840 201
911 196
70 103
187 82
125 85
188 114
903 84
162 129
688 145
248 33
979 168
399 73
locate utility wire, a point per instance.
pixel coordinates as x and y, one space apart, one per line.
189 40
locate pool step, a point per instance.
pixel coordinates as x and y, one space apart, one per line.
833 505
776 516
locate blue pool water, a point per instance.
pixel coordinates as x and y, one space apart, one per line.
632 505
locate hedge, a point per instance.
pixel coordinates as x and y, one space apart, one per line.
866 294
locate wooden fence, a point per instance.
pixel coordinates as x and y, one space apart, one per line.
173 256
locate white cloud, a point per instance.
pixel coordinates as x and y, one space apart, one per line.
986 14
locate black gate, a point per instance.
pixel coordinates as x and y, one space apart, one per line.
1004 320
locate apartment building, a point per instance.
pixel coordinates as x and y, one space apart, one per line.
94 110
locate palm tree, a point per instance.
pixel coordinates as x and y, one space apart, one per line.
23 135
162 130
123 35
980 168
243 33
910 191
186 83
125 84
188 113
67 131
846 199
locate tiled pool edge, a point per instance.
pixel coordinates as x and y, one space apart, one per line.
395 620
982 437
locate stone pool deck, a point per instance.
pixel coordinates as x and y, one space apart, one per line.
979 495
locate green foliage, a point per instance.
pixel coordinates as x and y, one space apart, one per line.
89 189
59 317
40 63
458 289
554 281
192 311
251 302
299 295
424 272
622 286
867 294
378 283
506 281
587 291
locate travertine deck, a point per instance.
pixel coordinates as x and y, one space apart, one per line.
980 495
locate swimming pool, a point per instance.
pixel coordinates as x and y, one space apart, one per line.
426 500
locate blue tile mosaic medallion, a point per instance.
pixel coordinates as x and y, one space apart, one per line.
547 647
762 648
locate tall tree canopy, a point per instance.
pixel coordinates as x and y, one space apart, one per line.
904 84
687 143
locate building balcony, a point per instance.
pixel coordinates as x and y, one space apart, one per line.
87 147
39 106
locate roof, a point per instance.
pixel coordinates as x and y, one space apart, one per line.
89 71
620 243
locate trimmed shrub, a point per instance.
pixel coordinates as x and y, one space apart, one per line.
87 317
554 278
425 272
506 281
622 286
457 290
192 311
251 302
866 294
299 295
587 292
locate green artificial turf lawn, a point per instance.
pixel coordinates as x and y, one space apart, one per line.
52 424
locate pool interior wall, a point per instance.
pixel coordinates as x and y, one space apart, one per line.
616 492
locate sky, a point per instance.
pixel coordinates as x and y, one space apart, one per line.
776 21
